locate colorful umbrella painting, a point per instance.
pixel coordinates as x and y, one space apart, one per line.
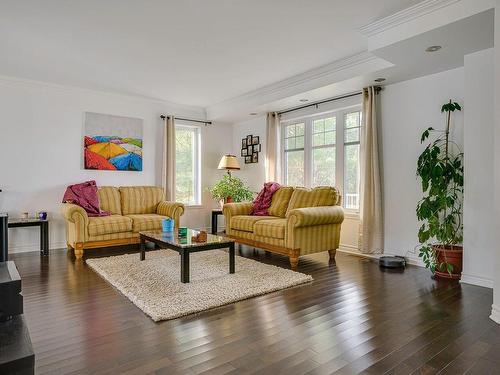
112 142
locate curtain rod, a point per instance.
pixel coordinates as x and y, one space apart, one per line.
316 104
163 117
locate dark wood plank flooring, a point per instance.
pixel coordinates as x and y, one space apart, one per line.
354 318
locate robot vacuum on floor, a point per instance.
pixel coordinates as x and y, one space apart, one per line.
392 262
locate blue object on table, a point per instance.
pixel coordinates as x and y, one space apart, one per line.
167 225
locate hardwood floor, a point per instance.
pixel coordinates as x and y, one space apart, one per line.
354 318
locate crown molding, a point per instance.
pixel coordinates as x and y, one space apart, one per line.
183 109
416 11
327 74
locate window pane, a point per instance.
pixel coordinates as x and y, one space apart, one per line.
330 123
299 128
351 176
185 168
330 138
352 135
352 120
290 131
318 126
319 139
295 168
299 142
290 143
324 166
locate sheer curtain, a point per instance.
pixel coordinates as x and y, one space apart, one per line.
273 155
371 214
168 177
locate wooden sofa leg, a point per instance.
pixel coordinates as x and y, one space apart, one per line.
79 250
294 259
332 254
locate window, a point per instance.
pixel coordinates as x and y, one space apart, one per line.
187 165
324 150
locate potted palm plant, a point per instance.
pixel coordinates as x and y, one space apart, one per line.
440 168
230 189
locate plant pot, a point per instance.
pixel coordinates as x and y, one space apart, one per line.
452 254
224 201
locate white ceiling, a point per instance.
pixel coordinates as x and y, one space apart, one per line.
195 52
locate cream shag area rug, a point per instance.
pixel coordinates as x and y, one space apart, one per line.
154 284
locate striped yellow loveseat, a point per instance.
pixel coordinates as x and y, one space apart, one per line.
133 209
301 221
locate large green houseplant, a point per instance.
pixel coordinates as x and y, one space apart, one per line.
231 189
440 168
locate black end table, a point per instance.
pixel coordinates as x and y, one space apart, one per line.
185 246
44 230
215 213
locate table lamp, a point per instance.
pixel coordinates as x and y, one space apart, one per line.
229 163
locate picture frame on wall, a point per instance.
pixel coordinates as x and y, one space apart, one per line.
249 150
248 159
259 149
243 152
255 157
244 143
249 140
255 140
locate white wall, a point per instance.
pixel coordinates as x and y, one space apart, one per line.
41 150
407 108
252 174
479 215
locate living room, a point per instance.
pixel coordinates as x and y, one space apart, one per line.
330 100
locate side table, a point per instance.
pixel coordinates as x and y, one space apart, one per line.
215 213
44 230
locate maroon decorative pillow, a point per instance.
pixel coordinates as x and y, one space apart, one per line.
263 201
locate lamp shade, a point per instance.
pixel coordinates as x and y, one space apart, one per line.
229 162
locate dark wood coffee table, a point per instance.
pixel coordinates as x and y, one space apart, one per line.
185 246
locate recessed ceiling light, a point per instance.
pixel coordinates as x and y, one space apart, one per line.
253 113
433 48
303 100
380 80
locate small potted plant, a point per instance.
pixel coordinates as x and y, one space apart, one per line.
231 189
440 168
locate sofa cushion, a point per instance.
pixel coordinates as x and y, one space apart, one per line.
140 199
270 228
246 222
319 196
109 199
279 203
146 222
109 224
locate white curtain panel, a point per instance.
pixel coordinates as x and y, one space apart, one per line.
168 178
273 155
371 214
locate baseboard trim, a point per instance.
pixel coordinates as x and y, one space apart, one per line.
476 280
34 247
495 314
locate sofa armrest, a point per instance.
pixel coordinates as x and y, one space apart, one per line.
309 216
77 222
173 210
235 209
74 213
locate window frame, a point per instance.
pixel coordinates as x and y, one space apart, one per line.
340 143
197 163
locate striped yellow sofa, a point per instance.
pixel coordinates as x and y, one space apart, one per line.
301 221
133 209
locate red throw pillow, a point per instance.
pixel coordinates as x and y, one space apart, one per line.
263 201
